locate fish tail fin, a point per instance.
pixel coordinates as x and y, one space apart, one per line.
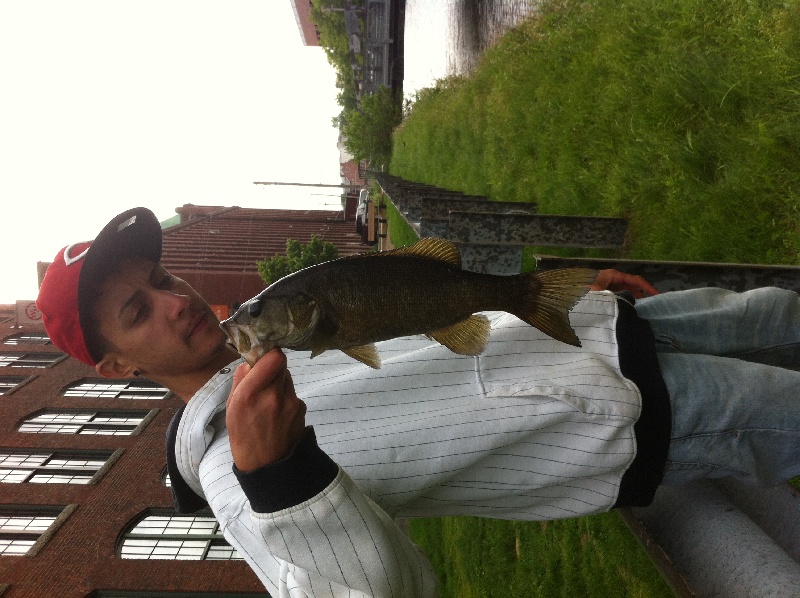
548 298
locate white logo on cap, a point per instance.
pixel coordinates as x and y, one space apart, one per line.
125 224
69 259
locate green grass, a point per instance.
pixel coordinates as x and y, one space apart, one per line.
681 115
589 557
400 233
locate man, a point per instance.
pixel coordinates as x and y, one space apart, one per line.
530 429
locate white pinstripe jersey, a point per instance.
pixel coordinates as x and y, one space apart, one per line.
531 429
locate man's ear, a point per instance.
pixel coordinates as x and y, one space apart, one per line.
113 367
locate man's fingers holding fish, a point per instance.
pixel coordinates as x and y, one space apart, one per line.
264 372
265 417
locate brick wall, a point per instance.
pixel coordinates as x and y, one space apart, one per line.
216 250
80 556
349 171
307 28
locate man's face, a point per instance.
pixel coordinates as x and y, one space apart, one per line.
156 322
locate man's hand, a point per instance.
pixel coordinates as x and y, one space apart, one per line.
614 280
264 416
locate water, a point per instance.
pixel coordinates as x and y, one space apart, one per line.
447 37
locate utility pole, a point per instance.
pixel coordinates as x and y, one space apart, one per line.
341 186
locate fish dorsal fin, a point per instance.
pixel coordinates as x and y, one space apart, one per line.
366 354
467 337
431 248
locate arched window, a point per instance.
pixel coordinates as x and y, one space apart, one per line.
166 535
29 360
98 423
22 527
43 467
9 383
103 388
31 338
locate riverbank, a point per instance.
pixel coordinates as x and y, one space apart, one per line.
682 116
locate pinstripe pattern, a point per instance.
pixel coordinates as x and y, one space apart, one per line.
530 429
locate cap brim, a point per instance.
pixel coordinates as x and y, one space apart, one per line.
134 233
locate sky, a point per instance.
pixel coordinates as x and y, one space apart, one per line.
107 105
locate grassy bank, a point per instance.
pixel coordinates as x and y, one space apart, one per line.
589 557
681 115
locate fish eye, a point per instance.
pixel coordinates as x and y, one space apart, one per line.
254 308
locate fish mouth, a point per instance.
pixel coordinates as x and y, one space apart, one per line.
244 340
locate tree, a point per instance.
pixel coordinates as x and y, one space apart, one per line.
334 41
298 256
368 131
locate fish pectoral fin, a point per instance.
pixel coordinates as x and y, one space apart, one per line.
366 354
320 346
467 337
324 333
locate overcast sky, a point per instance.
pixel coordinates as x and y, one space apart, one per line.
108 105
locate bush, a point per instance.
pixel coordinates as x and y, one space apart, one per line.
298 256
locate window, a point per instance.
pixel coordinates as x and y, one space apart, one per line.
17 467
101 423
20 528
116 389
29 360
33 338
9 383
177 537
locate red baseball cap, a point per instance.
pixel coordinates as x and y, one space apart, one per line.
77 271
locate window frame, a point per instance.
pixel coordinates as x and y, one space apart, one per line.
33 338
20 382
60 513
34 356
92 423
108 459
165 540
129 386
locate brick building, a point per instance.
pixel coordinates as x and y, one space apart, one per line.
307 28
215 249
83 494
352 173
85 507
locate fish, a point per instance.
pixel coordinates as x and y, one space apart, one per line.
351 303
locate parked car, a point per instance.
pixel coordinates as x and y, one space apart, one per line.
361 211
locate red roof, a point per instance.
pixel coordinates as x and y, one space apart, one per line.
216 250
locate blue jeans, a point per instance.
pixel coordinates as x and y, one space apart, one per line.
730 363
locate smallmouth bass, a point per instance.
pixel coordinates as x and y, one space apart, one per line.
353 302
